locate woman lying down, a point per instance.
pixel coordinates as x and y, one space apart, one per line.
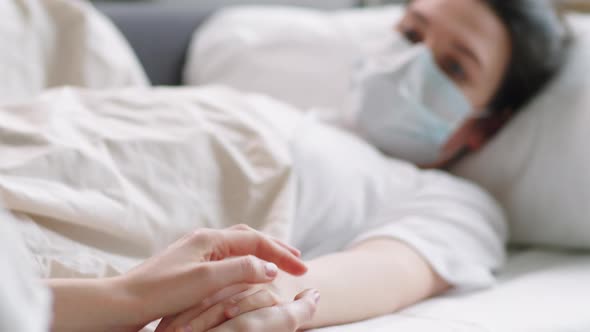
100 181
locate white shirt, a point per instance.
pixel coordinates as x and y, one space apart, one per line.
349 192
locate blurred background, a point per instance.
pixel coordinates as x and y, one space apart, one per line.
321 4
579 5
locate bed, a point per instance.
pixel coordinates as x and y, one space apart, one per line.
538 290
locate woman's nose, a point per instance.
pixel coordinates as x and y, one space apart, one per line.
436 45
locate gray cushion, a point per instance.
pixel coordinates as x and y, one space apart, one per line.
159 34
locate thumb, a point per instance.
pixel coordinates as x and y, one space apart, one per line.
239 270
304 307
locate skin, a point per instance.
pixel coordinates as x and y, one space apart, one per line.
471 46
200 264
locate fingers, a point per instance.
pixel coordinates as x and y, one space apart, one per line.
214 316
171 323
239 242
303 308
293 250
224 294
237 270
261 299
285 318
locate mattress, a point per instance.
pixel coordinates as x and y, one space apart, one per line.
537 291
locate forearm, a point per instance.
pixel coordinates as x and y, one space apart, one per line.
375 278
90 305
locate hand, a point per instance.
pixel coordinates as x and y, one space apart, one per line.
258 310
289 317
197 266
231 302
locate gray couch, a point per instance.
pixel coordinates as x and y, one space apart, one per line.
160 35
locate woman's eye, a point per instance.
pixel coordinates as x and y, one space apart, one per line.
455 70
412 35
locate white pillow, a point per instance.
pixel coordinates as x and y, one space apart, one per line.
61 42
304 57
539 166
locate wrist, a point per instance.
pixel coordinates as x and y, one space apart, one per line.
90 305
128 307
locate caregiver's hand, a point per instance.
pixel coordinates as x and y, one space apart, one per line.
190 270
195 267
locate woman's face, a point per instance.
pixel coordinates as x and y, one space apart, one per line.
470 44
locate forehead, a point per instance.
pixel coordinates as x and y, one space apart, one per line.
467 18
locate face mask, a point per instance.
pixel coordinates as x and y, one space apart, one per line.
407 107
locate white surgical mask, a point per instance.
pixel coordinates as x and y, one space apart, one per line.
407 107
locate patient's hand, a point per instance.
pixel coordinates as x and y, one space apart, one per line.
232 305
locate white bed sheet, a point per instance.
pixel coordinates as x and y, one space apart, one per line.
538 291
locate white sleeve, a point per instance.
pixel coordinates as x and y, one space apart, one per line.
24 302
458 228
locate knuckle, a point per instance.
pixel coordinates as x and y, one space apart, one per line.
241 227
199 235
204 272
248 266
291 322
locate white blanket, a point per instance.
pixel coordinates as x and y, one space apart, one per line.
103 180
24 302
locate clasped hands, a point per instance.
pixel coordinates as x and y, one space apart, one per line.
218 281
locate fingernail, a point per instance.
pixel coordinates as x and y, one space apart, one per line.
233 311
271 270
316 297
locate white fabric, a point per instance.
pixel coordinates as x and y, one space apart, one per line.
538 166
25 305
349 192
102 180
50 43
537 291
301 56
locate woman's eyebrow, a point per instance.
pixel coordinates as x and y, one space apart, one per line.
467 52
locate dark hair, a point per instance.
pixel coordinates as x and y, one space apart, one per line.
539 40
